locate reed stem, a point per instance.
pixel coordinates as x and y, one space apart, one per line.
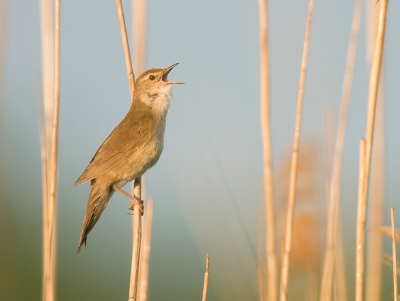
360 231
369 136
205 285
50 146
272 271
334 188
143 278
293 165
394 256
137 184
137 234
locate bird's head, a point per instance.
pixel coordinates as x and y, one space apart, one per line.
153 88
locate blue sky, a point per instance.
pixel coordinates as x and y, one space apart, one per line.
207 186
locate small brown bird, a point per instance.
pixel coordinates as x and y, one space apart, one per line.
133 146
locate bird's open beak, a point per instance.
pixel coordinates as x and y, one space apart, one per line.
165 75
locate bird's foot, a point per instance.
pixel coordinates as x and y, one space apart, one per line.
139 202
135 200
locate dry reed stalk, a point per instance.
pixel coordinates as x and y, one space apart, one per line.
205 284
45 191
54 153
51 146
376 206
293 167
139 50
139 36
376 195
125 44
394 256
133 285
261 254
333 224
47 35
145 251
387 231
272 270
360 235
369 135
137 184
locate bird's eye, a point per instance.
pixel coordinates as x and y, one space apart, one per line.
152 77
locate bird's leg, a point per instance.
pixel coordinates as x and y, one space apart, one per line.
135 200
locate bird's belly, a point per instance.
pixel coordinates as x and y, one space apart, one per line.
137 164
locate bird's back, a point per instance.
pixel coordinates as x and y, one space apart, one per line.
130 139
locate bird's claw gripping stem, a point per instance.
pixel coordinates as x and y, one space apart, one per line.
135 200
139 202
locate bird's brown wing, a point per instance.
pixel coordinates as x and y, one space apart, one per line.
126 139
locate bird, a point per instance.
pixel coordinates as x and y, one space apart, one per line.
133 147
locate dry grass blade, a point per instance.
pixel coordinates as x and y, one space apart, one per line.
334 199
369 135
376 205
133 285
261 258
394 256
205 285
137 184
266 138
46 115
360 234
388 232
145 251
139 34
47 36
293 167
50 195
45 191
139 37
125 44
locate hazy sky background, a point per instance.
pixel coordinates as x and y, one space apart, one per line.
207 186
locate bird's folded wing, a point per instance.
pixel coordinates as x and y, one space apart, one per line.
121 143
97 168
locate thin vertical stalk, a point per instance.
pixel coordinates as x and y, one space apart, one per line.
360 232
137 184
394 256
51 222
139 36
369 135
139 49
293 165
272 270
376 204
45 191
47 36
137 234
143 279
205 284
334 188
125 44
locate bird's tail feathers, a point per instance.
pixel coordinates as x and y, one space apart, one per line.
97 202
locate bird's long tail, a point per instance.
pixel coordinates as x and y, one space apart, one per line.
97 202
